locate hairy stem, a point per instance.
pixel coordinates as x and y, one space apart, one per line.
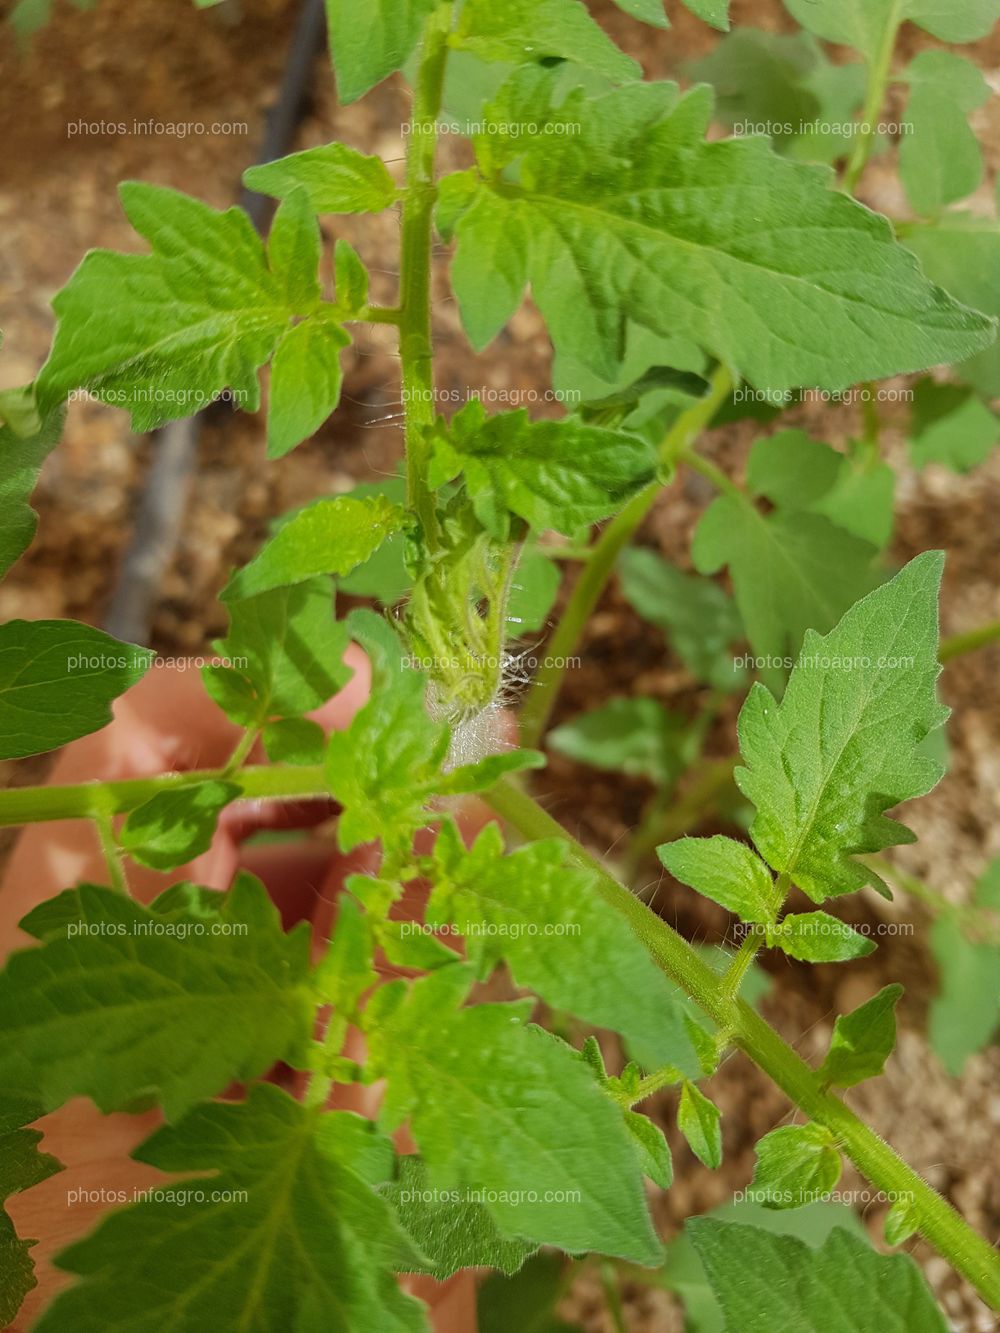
939 1223
93 800
112 852
416 346
541 698
960 644
879 71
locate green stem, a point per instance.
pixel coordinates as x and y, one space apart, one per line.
416 345
878 81
243 748
960 644
92 800
112 852
713 474
541 698
940 1224
715 777
613 1297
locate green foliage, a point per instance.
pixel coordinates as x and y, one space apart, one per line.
451 1231
297 1231
635 736
697 616
818 937
728 872
698 1120
21 1167
783 86
335 178
864 24
289 651
795 1165
862 1040
371 41
467 1079
703 226
125 1001
684 1273
951 425
393 758
536 30
840 748
58 680
327 537
21 459
939 157
793 569
765 1281
965 1014
552 474
962 252
546 919
176 826
164 334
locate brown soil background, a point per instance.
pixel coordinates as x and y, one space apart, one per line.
137 59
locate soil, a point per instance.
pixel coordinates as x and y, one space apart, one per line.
136 60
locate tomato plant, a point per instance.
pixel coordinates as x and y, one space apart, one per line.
684 281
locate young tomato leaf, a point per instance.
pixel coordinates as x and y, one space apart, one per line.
841 747
793 570
126 1003
962 253
294 248
335 178
553 474
728 872
453 1232
653 1149
647 11
536 30
328 537
863 23
347 968
765 1281
294 1186
283 655
21 1167
58 680
294 740
796 1165
951 425
862 1041
940 160
635 736
546 919
715 12
21 459
636 217
481 1068
966 1012
176 826
164 334
392 759
818 937
370 41
350 277
534 589
305 383
901 1222
697 616
698 1120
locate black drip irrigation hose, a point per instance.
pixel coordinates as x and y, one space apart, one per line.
160 510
